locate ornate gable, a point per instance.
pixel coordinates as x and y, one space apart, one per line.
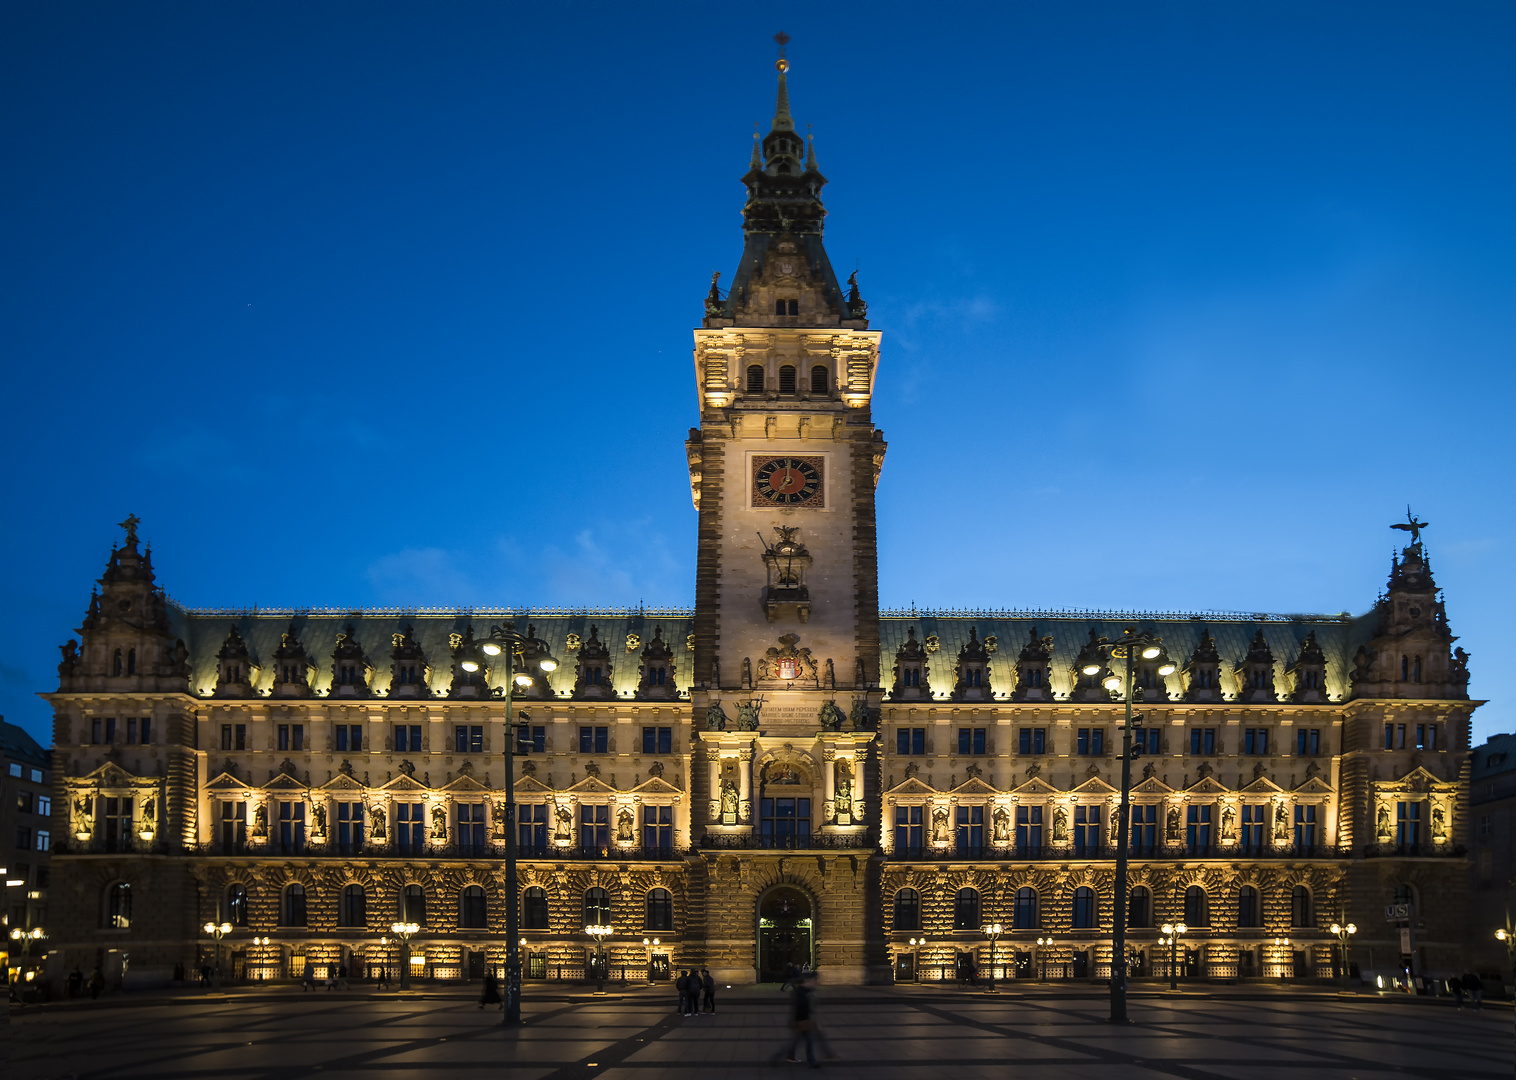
1036 786
912 786
404 784
1152 786
465 785
226 782
1095 786
341 782
1208 785
657 785
974 786
1262 786
530 785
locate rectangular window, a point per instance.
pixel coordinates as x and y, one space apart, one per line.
239 737
24 801
1032 740
971 740
1029 829
226 736
1408 824
110 729
1255 741
339 737
1308 742
44 805
594 740
531 828
1144 829
292 827
1086 829
408 738
297 736
131 729
970 830
95 737
910 740
146 730
658 830
471 830
468 738
117 814
1091 741
349 827
785 823
657 740
44 840
595 829
908 831
1198 829
23 838
1252 826
1305 828
284 736
539 738
1426 737
1144 740
410 827
232 827
1203 740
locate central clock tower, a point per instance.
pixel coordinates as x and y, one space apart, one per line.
785 461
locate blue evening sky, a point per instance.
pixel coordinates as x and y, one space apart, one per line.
390 304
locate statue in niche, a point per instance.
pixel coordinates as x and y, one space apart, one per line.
1228 823
715 716
940 833
1001 832
1382 822
1281 822
260 819
729 798
860 716
150 813
844 799
831 717
1439 821
84 816
747 716
1060 825
831 675
624 826
376 822
563 823
318 818
439 822
1173 822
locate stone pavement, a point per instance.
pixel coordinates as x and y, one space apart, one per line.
877 1033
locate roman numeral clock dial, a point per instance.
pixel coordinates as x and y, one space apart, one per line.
788 481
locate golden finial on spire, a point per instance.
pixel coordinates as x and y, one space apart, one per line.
783 39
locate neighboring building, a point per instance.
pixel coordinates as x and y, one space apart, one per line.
1492 795
26 797
783 773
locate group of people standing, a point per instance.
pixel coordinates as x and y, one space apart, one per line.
697 992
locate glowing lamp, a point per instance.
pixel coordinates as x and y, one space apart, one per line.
470 665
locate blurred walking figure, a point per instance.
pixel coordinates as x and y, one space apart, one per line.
491 993
384 977
1475 986
308 978
802 1023
708 984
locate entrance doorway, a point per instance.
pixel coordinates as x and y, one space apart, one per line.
785 934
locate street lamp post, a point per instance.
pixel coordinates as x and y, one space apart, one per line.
404 931
1284 969
1150 648
599 931
1173 932
1506 935
1040 961
993 932
218 931
503 640
25 938
263 941
648 945
917 944
1343 933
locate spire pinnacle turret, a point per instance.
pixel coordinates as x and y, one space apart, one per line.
783 121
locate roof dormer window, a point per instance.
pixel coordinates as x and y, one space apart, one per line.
786 307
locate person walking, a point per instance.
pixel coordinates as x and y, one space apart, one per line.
307 978
1455 984
341 976
708 985
802 1024
1475 988
96 983
384 978
491 993
75 982
682 984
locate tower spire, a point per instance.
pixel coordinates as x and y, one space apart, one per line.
783 121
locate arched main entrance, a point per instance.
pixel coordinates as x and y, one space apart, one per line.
786 933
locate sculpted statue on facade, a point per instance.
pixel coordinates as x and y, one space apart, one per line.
563 823
624 826
1001 826
715 716
747 716
376 822
831 717
1060 825
1382 822
729 797
1173 822
439 822
940 833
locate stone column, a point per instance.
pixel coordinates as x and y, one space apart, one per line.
829 771
713 759
745 786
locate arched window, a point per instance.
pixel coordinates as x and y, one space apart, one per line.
131 661
294 906
966 910
660 910
1085 913
597 907
1197 908
118 906
907 910
1248 912
1300 907
1026 908
819 382
353 910
472 913
116 663
413 905
534 909
755 379
1139 907
1405 894
787 379
235 911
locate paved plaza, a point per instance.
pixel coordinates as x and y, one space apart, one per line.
876 1034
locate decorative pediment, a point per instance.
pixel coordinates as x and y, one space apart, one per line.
1152 786
657 785
1208 785
530 785
226 782
342 782
974 786
1262 786
592 785
1417 780
404 783
1094 786
284 782
1314 786
1036 786
111 775
912 787
466 784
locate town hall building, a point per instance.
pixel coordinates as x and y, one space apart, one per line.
784 773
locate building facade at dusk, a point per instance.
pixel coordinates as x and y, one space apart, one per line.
784 772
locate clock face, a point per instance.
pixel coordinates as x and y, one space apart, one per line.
787 481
